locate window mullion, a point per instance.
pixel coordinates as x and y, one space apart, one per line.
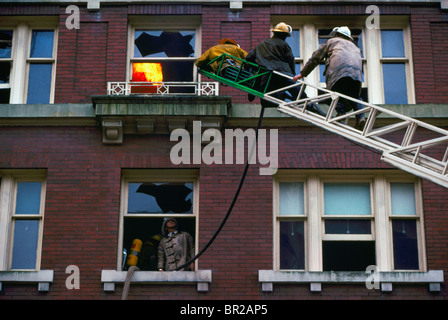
311 41
373 57
383 241
18 73
314 227
6 188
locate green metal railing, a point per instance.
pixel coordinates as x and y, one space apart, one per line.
243 75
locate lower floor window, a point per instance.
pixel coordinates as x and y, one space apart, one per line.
149 199
346 222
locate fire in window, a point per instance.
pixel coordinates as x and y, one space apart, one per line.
163 55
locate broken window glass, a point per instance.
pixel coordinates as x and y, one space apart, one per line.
160 198
171 51
164 43
145 199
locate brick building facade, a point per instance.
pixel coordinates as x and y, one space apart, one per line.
80 153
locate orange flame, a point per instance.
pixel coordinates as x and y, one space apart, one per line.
145 71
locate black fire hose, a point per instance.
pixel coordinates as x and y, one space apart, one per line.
232 204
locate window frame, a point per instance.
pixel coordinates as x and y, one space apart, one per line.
8 196
156 175
20 54
162 22
372 58
381 215
406 59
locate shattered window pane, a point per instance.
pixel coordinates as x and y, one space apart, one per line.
156 44
5 43
160 198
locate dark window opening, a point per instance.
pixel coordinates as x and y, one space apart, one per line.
292 245
4 95
348 255
148 230
405 244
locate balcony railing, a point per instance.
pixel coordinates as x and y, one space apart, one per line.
163 88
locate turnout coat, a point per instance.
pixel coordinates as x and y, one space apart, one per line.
342 59
175 249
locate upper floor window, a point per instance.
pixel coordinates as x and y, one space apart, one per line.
386 54
163 50
334 223
27 61
22 220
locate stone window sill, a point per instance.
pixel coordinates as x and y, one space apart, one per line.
201 277
42 277
268 278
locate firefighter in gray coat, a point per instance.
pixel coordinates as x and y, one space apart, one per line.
343 69
176 247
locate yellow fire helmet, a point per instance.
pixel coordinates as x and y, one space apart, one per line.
283 27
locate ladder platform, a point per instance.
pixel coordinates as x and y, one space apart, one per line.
425 156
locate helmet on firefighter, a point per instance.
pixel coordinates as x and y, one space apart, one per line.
344 31
283 27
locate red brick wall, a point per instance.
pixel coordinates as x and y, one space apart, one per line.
83 202
97 51
92 55
429 31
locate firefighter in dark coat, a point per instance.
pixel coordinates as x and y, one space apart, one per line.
275 54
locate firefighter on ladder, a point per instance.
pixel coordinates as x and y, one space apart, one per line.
275 54
343 70
225 45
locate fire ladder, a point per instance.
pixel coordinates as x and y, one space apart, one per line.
395 138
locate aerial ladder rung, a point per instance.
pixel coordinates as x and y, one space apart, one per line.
404 155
